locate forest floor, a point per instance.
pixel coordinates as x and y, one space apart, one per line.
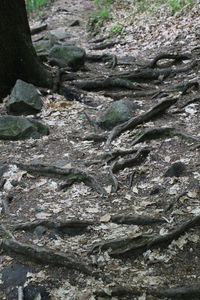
141 259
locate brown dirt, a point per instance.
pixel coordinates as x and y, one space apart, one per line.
39 197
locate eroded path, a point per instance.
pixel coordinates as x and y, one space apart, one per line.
112 222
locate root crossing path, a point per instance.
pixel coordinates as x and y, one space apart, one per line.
90 212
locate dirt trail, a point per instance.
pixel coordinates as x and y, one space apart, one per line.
121 242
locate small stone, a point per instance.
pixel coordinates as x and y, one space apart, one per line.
3 169
176 170
40 231
72 56
74 23
155 190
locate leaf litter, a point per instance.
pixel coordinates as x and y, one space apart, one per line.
38 197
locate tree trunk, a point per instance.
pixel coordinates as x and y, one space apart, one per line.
18 59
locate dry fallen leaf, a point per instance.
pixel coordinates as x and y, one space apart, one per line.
105 218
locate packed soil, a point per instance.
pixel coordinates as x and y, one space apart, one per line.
142 189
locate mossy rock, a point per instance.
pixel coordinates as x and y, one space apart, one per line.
72 56
43 45
17 128
24 99
117 113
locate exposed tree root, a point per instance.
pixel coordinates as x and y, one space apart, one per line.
157 110
38 29
109 156
117 291
91 121
114 180
136 220
181 293
63 226
157 133
153 74
128 247
72 175
189 85
6 206
131 180
175 57
190 102
98 138
92 85
43 255
122 94
69 92
173 203
110 59
105 45
135 160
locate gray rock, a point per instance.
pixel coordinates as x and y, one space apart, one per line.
155 190
59 33
24 99
44 45
15 275
177 169
38 29
3 168
40 231
72 56
74 23
119 112
15 128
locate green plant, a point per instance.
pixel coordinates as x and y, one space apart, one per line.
33 4
100 15
116 29
97 19
143 5
104 3
176 5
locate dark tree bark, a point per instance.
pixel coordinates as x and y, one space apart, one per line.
18 59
